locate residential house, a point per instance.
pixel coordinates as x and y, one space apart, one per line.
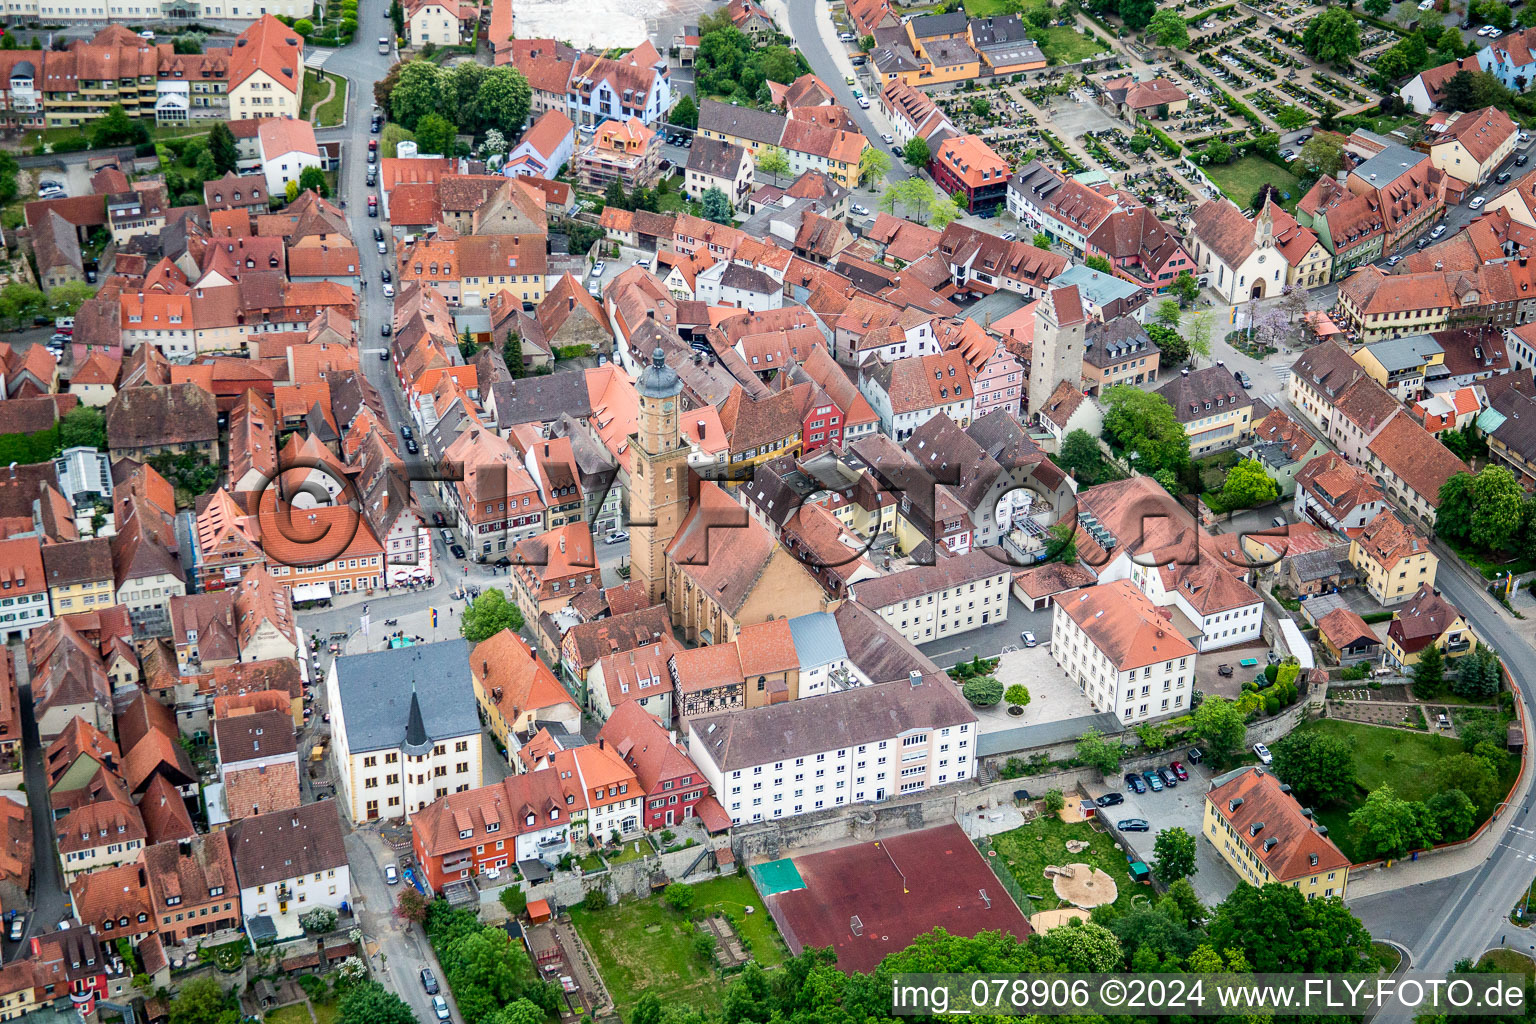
288 863
1257 826
193 885
1393 558
1336 495
671 785
1212 406
1427 619
1113 642
1347 638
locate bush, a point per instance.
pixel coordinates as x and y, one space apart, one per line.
513 898
1271 671
596 900
1017 695
704 946
983 692
321 919
1053 801
679 897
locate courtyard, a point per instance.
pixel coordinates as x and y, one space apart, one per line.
1026 851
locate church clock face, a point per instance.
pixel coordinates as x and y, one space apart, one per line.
666 406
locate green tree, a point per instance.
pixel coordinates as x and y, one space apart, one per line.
204 1001
1248 485
685 113
679 897
1097 752
1319 768
1174 854
489 614
916 152
1219 725
717 206
1386 825
1142 425
502 100
1323 153
1081 456
1063 542
1041 241
647 1009
221 143
512 354
1278 930
291 191
1173 345
1169 314
304 27
519 1011
83 426
312 179
421 88
1199 335
1477 674
914 195
117 129
1217 152
773 163
1428 672
1471 774
67 298
1140 143
1494 13
1169 29
1017 696
1100 263
1378 8
943 211
1454 814
436 134
1333 37
874 164
486 971
1485 510
412 906
8 41
1137 14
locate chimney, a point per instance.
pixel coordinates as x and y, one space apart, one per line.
915 678
702 428
599 743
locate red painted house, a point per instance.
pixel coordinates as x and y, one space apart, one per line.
966 164
491 828
671 783
71 962
1140 248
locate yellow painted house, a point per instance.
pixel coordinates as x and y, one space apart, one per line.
1262 834
1393 559
1401 365
79 575
1428 619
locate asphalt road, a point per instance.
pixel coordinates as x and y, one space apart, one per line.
50 901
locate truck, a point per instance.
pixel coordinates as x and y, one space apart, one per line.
383 44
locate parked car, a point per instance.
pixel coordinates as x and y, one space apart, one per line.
59 338
864 102
1154 781
378 234
384 330
848 37
1265 757
1169 779
1440 228
1288 155
18 928
1393 261
1110 799
440 1007
1133 825
447 536
412 448
1134 784
457 551
389 289
1180 771
1243 379
391 874
429 981
384 275
859 211
373 206
615 537
383 249
598 268
887 138
406 432
373 177
1520 160
1028 638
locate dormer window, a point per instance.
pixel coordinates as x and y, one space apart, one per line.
465 833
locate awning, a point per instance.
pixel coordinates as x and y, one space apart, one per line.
312 592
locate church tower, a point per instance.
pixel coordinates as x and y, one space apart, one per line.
658 481
1056 352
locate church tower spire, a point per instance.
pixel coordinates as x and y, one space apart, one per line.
658 485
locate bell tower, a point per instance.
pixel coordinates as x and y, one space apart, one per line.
658 484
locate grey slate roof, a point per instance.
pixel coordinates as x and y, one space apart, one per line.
715 157
741 122
817 640
376 688
541 399
929 25
1030 737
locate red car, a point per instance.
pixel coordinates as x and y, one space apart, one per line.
1178 769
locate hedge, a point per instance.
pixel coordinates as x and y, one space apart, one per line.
1074 165
1241 110
1212 13
1168 145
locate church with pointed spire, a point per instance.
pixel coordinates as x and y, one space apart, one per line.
404 728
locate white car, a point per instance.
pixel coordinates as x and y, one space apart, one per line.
389 291
864 102
1028 638
598 268
1477 204
383 247
391 874
440 1007
887 138
1425 5
1265 757
859 211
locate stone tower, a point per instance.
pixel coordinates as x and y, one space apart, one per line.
658 483
1056 353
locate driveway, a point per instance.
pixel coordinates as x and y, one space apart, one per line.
1182 807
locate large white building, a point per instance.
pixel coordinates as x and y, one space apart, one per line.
861 745
289 862
927 602
404 728
1123 654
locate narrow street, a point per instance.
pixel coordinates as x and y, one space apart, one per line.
49 900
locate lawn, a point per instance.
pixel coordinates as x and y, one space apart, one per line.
1064 44
1029 848
1509 960
315 87
987 8
1406 770
645 945
296 1014
1387 955
1241 180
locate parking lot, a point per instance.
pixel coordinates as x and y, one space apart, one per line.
1181 807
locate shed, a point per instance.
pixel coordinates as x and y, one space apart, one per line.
538 911
1140 872
1516 739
